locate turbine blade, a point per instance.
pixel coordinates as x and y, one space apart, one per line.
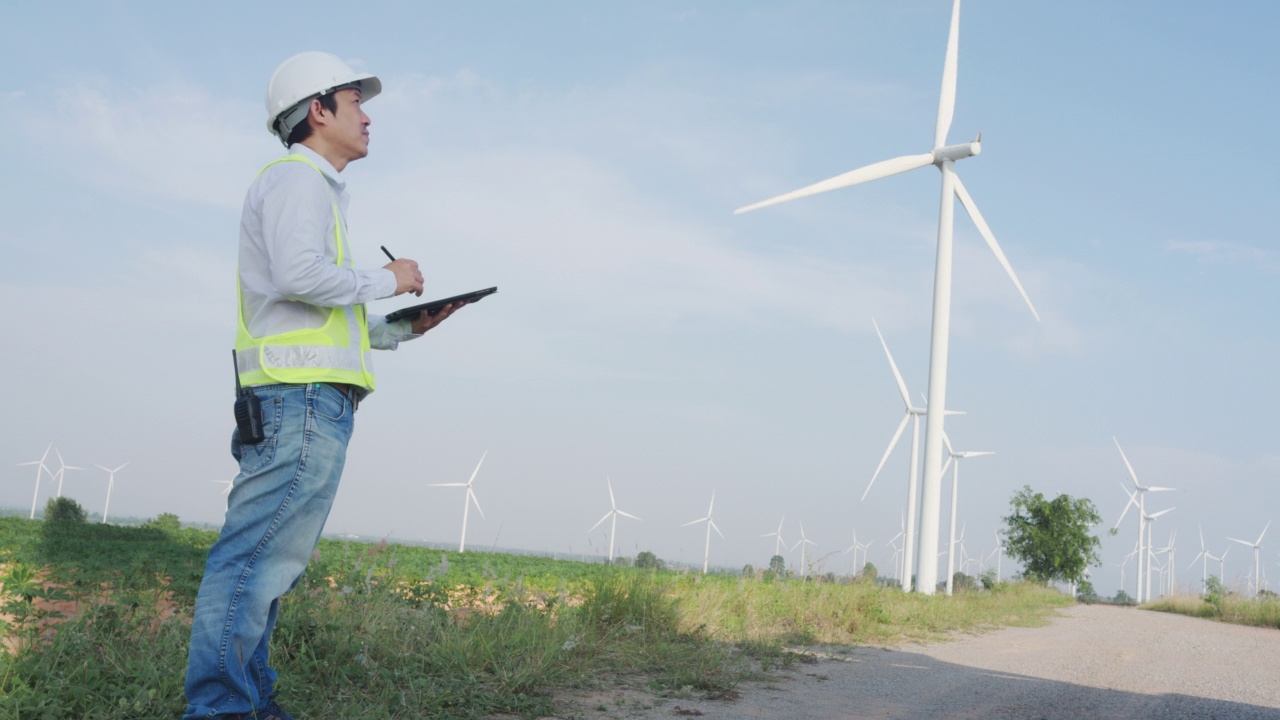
624 514
1156 515
717 529
947 441
947 100
892 444
1264 532
875 171
695 522
985 231
612 504
1160 489
897 376
472 496
947 464
1242 542
447 485
601 522
473 472
1132 474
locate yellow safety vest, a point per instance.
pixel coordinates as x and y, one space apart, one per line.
337 352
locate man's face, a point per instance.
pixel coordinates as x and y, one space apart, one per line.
347 130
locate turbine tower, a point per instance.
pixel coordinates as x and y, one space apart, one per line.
41 469
912 413
467 500
955 457
943 157
1257 554
614 512
711 524
111 481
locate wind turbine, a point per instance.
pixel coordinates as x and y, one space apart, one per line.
711 524
1151 553
467 500
111 481
955 457
912 413
62 470
854 548
1138 499
1257 561
1203 557
804 567
229 484
40 470
944 158
1222 566
614 512
779 544
999 553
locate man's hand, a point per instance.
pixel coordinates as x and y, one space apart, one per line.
408 279
425 322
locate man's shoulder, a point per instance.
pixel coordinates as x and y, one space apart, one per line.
289 177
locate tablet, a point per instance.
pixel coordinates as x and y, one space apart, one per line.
433 307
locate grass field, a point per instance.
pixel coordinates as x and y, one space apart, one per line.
97 619
1261 612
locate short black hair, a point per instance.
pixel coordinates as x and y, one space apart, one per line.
302 131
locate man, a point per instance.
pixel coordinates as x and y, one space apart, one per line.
302 348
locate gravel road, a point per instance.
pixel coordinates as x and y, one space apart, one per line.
1089 662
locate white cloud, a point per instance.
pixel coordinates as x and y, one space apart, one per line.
1227 253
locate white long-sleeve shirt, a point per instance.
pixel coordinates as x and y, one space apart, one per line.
288 272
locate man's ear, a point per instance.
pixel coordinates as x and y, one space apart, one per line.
317 113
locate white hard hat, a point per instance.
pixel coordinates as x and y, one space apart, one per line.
304 76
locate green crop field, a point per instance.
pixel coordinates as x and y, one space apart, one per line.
96 620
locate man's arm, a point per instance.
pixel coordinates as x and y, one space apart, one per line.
296 215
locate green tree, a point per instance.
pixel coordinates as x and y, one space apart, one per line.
168 522
64 509
1085 593
649 561
748 570
778 566
1051 537
870 572
1123 598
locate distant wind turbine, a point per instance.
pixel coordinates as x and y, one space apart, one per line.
229 484
111 481
711 525
913 414
804 567
955 457
778 544
1257 557
1138 499
41 469
854 548
467 500
62 470
944 158
614 512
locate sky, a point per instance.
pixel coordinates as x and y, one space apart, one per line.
586 158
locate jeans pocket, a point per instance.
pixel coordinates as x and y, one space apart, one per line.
330 403
254 457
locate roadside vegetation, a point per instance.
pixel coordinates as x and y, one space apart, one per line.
1217 603
95 621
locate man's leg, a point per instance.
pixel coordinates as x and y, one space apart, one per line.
276 511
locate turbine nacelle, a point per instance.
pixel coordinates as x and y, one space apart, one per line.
956 152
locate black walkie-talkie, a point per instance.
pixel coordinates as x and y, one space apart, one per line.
248 411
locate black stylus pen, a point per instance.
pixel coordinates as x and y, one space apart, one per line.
388 252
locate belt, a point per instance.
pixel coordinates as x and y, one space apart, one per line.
353 393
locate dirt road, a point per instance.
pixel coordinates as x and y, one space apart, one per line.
1090 662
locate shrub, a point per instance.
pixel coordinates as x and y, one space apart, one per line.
64 509
164 521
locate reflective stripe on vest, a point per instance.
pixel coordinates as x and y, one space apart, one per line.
338 351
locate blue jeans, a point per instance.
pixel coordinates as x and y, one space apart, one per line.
278 505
